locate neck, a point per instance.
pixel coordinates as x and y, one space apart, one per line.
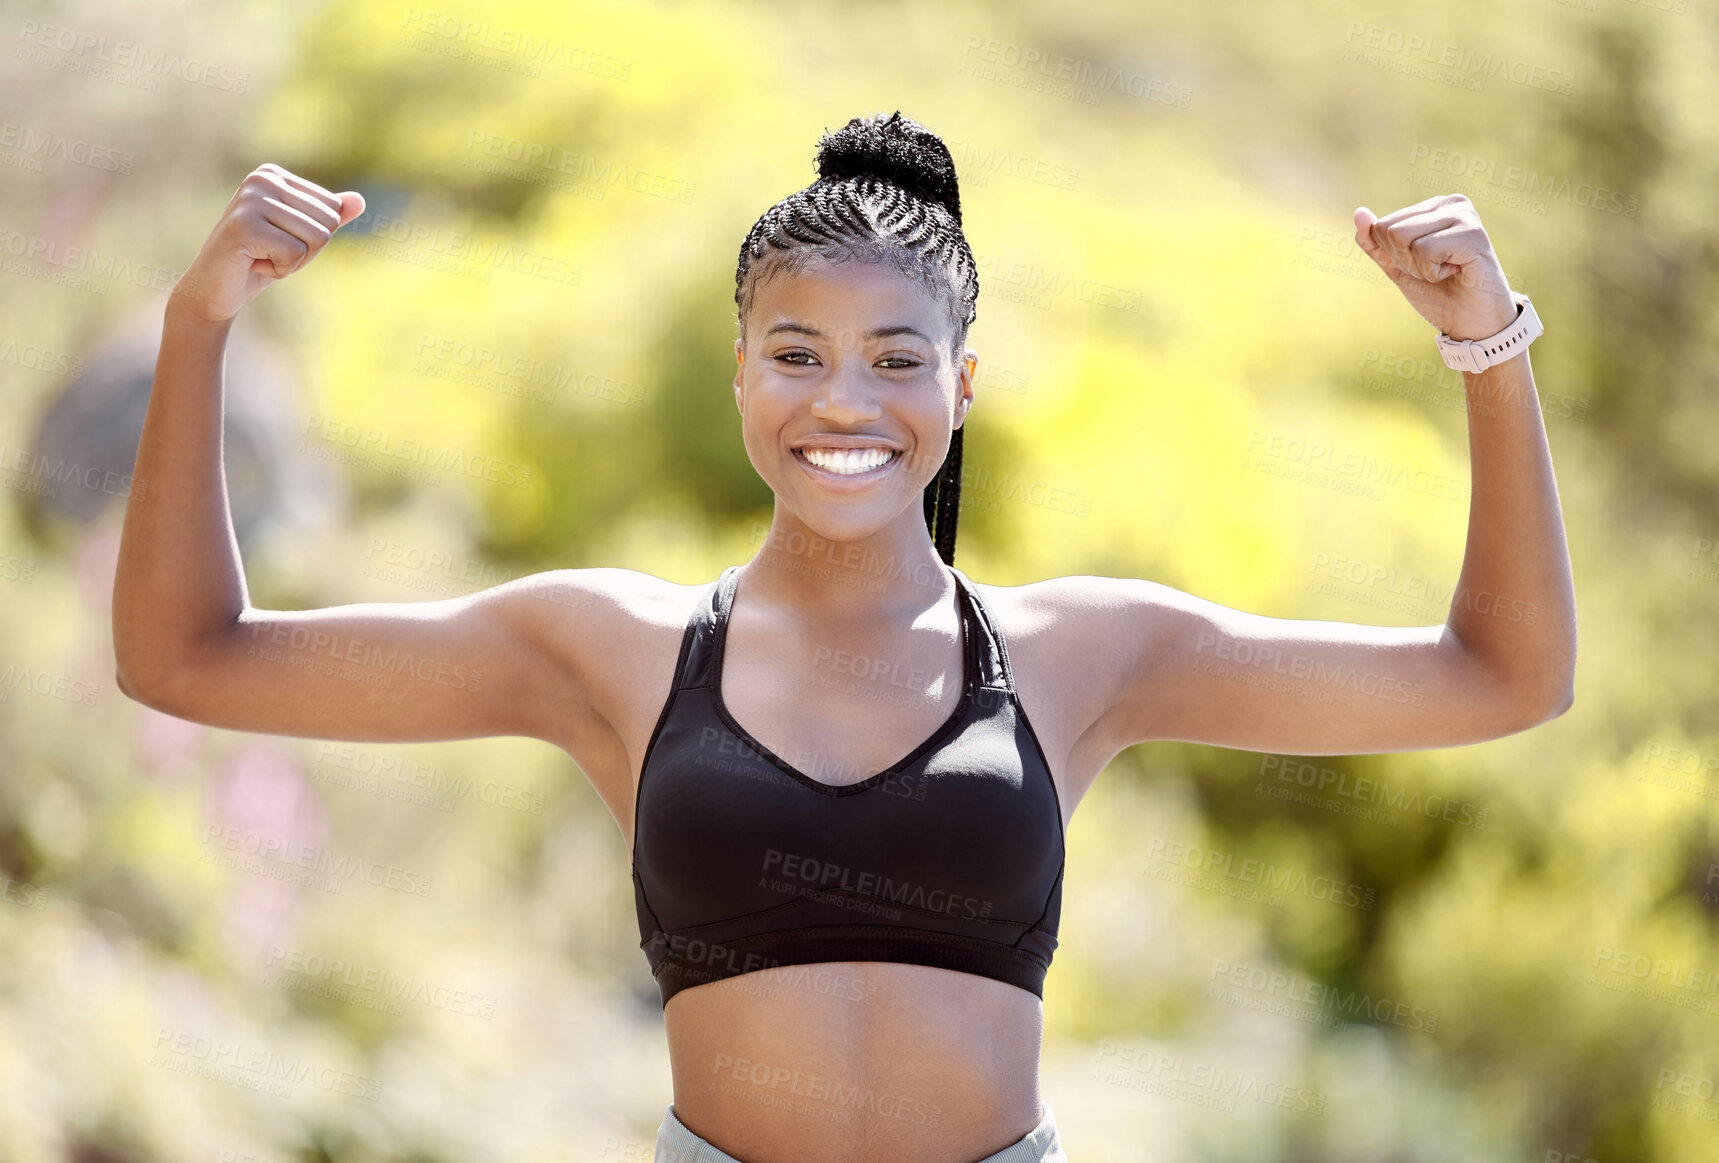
893 568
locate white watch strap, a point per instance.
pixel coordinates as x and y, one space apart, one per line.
1476 355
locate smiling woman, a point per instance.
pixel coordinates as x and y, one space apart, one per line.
886 192
850 930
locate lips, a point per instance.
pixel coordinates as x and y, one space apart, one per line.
847 461
847 467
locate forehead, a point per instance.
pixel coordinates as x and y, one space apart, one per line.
852 296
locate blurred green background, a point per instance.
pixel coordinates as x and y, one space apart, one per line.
1160 200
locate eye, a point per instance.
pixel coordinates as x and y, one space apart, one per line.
794 358
900 362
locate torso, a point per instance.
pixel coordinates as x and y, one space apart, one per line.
952 1057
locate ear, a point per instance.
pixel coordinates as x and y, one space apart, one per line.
969 366
740 366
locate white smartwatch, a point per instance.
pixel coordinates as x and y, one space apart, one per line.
1476 355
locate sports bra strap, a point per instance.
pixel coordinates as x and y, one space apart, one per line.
698 645
696 666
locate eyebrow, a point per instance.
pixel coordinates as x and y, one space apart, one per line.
874 333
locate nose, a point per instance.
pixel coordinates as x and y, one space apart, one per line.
846 396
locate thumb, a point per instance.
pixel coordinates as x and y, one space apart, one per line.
351 205
1364 219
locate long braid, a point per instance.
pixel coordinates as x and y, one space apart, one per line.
886 187
949 499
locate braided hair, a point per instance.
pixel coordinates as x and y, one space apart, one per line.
886 190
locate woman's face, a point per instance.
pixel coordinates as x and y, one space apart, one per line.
848 393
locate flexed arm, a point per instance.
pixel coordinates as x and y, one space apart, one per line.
1515 604
1176 666
179 578
512 659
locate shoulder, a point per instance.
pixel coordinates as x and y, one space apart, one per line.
1085 629
1073 608
613 629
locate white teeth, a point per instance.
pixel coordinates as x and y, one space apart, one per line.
847 461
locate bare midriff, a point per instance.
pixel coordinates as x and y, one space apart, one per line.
850 1061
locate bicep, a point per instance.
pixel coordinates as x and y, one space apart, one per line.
1202 672
455 668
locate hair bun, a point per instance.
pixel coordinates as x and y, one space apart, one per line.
896 149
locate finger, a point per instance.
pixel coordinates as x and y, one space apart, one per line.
303 229
308 204
351 206
1364 219
305 185
282 251
1436 202
1445 252
1399 241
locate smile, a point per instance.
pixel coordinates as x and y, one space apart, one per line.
850 464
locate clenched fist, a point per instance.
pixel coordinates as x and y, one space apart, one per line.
1438 254
275 223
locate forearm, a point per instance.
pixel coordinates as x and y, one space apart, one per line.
179 576
1514 608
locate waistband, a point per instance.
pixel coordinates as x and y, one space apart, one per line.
677 1144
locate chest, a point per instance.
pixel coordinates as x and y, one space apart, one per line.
970 822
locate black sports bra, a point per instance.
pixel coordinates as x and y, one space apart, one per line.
951 857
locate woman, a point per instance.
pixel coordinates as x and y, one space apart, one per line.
846 830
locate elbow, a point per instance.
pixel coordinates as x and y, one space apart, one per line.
133 690
147 686
1545 703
